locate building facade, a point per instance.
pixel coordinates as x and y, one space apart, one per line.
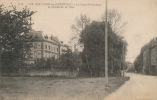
149 57
44 47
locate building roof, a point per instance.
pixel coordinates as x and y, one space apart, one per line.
38 36
149 45
52 39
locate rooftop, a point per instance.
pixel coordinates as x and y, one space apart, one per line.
38 36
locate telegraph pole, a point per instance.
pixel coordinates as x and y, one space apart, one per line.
0 61
123 59
106 46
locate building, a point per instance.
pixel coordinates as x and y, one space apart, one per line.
149 57
44 47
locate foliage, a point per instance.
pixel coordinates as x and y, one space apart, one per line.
42 63
138 63
70 59
92 38
14 26
132 69
77 28
115 20
125 65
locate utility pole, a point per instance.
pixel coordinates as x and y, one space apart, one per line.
123 58
106 46
0 61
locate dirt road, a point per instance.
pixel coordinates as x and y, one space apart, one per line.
139 87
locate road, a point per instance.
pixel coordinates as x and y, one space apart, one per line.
139 87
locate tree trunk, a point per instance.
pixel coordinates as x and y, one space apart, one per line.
12 61
91 73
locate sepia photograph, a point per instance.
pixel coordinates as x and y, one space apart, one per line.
78 49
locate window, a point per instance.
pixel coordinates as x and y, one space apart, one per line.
31 55
39 45
39 53
45 46
35 45
57 49
49 47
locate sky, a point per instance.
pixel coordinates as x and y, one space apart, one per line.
140 15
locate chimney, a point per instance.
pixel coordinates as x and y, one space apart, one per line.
61 42
46 37
51 37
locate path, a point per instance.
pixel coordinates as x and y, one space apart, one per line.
139 87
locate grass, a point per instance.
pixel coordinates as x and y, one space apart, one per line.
48 88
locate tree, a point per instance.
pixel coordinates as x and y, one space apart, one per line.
45 63
138 63
71 60
117 26
116 22
77 29
14 26
40 63
92 38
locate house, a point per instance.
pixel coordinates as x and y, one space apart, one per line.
149 57
44 47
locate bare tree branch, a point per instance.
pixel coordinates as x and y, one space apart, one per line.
115 20
77 29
